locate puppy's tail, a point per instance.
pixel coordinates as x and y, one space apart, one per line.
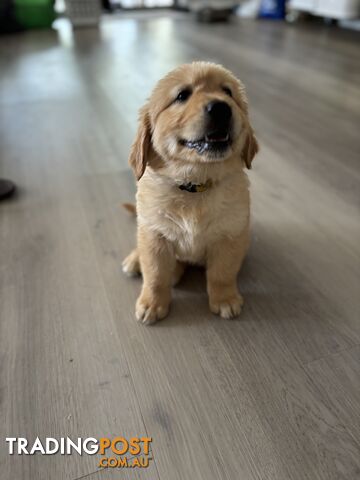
130 207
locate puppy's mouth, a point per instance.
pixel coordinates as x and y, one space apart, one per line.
214 142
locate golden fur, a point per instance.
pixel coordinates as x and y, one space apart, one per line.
177 227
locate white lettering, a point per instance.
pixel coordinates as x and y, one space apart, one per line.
11 441
37 447
22 444
75 446
93 448
55 443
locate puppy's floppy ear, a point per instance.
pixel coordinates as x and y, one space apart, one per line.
251 147
140 148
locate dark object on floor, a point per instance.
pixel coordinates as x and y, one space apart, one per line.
7 188
210 15
8 22
106 4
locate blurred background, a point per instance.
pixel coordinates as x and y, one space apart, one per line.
64 48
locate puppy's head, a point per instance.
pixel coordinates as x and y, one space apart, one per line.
196 114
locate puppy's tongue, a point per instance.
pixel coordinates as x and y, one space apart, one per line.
217 137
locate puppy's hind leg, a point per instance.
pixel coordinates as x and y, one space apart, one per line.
131 264
131 267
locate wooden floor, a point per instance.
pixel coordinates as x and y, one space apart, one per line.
272 396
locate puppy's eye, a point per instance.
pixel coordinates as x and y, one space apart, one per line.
183 95
227 91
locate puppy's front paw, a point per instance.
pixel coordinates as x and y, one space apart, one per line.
227 307
149 310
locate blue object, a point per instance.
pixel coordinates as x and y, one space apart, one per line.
272 9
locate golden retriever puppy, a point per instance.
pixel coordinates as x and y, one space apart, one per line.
193 141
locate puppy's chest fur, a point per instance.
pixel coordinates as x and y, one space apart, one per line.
192 221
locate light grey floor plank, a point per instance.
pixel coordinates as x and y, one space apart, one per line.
336 374
63 372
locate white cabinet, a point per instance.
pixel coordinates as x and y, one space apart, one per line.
339 9
304 5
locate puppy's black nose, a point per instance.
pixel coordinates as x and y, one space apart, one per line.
219 112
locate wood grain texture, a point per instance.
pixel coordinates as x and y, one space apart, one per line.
272 396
